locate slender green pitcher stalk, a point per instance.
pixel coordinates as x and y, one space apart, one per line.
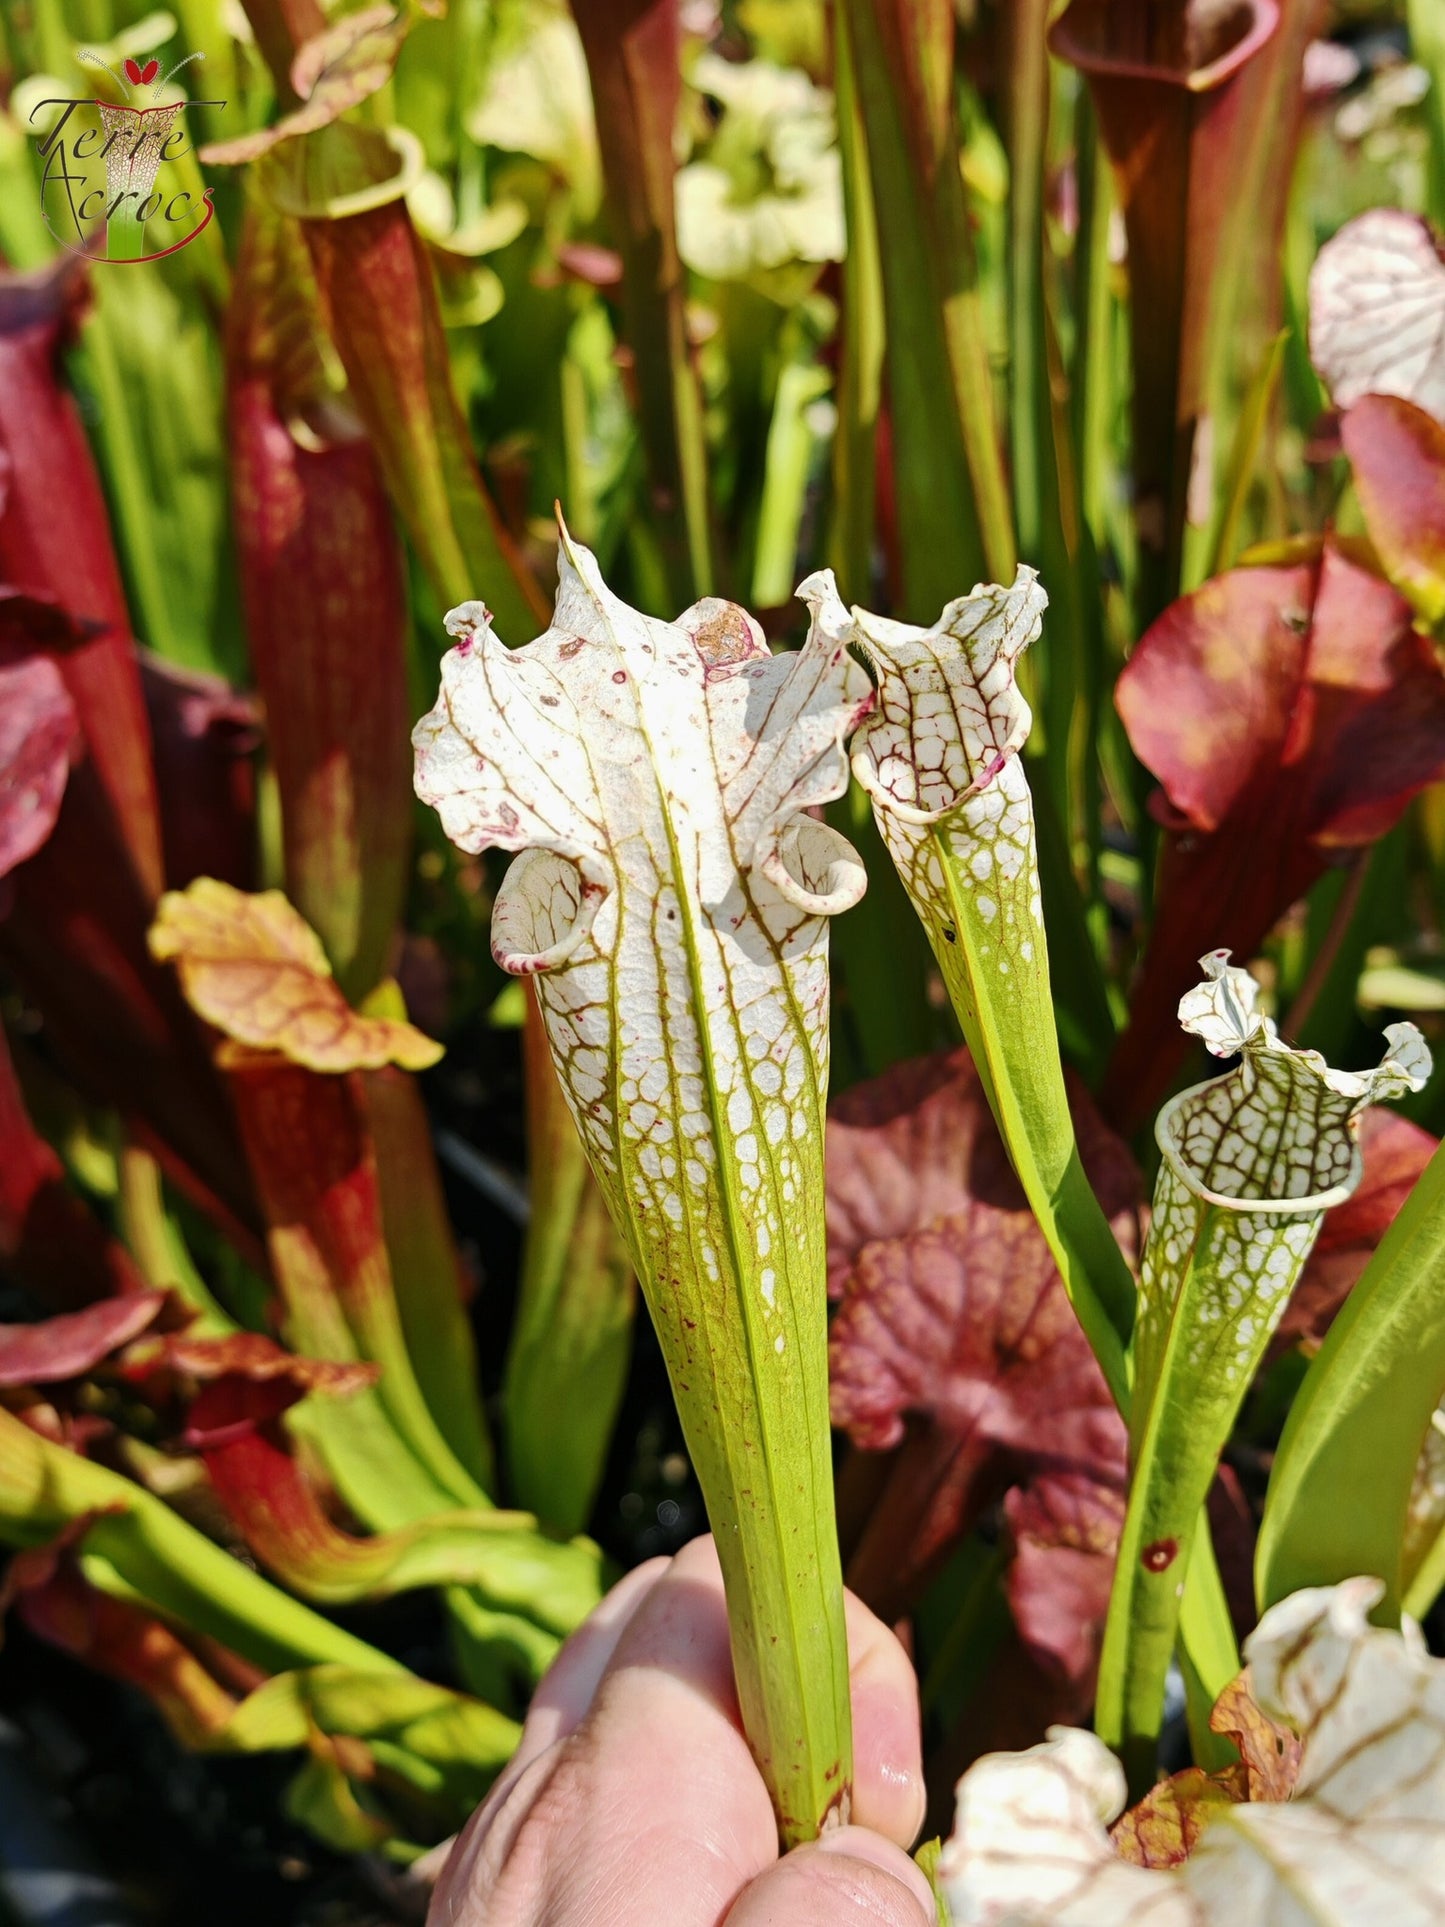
940 760
1251 1162
670 900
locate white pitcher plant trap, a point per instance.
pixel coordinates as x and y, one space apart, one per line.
1361 1840
671 899
941 761
1251 1163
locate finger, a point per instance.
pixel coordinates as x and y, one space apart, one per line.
888 1792
561 1701
652 1808
559 1704
849 1878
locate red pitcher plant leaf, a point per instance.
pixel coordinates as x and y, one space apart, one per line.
47 1592
235 1401
144 1337
1394 1152
73 1344
1397 453
76 906
1063 1529
321 565
1377 339
336 69
1281 93
941 482
315 1168
955 1341
282 1518
38 622
55 541
1290 713
75 937
48 1240
1166 85
38 735
281 27
379 296
246 1378
1164 1828
254 968
346 184
633 50
204 734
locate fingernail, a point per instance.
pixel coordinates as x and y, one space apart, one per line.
907 1790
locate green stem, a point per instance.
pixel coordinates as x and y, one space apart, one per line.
1427 45
860 375
1030 423
136 1542
1429 1580
953 499
572 1335
1208 1650
1223 541
157 1245
1217 1265
1340 1485
1008 1025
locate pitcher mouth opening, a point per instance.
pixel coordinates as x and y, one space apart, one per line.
1166 1138
1149 42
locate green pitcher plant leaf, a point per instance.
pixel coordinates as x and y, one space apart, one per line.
431 1286
953 497
1251 1162
1341 1482
671 899
576 1297
134 1546
513 1567
940 760
374 1739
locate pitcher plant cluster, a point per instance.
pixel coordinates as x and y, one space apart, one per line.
1125 1390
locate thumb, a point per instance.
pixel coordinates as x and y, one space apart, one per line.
849 1878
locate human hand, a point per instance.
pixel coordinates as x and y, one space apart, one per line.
633 1800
